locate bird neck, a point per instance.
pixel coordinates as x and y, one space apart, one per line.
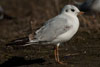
71 15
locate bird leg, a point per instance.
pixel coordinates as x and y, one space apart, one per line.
57 54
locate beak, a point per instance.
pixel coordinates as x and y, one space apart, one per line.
81 13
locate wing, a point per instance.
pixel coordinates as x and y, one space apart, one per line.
52 29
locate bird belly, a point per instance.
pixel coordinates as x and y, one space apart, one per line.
66 36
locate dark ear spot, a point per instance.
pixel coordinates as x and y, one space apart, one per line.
72 10
66 10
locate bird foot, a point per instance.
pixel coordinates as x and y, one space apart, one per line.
60 62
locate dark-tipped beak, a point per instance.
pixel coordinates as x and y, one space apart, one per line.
81 13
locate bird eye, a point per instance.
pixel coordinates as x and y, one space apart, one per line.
72 10
66 10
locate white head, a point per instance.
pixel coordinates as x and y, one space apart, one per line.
71 10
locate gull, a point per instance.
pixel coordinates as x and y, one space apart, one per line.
57 30
3 15
89 5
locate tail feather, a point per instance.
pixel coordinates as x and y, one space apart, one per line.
20 41
26 42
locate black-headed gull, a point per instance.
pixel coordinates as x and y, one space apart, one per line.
57 30
3 15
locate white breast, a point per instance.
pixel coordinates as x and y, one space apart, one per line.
70 33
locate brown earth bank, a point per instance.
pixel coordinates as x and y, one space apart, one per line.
83 50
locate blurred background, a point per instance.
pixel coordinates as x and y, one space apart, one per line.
86 42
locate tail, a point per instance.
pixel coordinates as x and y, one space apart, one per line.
26 41
19 42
